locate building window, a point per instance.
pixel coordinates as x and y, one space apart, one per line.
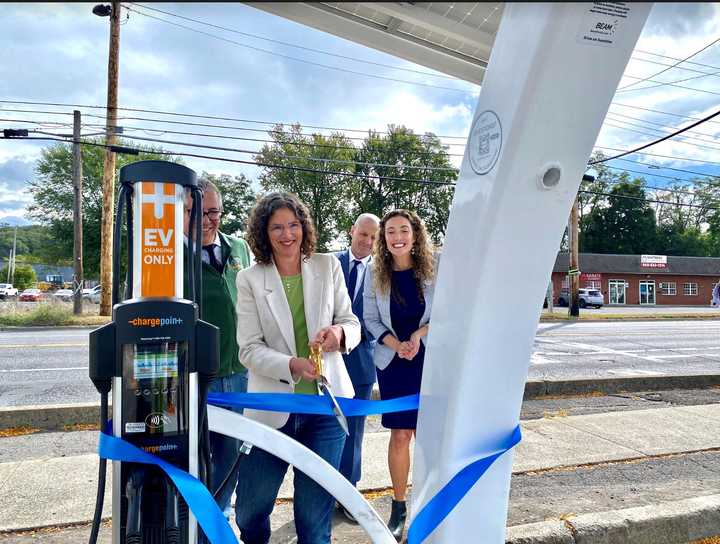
690 289
670 288
593 285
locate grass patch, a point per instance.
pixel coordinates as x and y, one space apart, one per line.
47 314
17 431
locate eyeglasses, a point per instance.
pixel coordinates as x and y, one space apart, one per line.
212 215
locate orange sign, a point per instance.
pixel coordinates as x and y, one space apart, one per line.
158 258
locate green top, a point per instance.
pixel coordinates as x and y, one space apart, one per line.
293 287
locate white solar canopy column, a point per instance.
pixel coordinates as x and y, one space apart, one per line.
550 79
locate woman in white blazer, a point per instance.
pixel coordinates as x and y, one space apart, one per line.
290 298
397 303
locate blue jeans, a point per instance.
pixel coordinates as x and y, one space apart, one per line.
223 449
262 475
351 461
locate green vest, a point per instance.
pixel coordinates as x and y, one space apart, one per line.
219 295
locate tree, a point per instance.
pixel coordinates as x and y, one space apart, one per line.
33 243
421 160
238 198
317 169
24 276
625 225
52 192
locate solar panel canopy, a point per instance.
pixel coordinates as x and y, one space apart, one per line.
454 38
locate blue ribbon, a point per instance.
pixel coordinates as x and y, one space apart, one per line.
211 519
196 495
445 500
312 404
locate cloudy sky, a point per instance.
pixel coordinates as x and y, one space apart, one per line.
58 53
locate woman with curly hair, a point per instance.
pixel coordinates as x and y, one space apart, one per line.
397 304
291 298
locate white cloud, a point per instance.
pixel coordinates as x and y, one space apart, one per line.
58 53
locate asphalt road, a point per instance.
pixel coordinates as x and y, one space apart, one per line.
50 366
628 348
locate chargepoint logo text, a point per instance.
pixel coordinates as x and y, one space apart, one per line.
155 321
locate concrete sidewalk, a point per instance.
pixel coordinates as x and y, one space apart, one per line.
45 490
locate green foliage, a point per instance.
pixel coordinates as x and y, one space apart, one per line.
324 192
47 313
52 191
626 225
422 160
33 242
336 198
24 276
238 198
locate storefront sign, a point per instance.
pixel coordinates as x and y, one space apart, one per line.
653 261
590 276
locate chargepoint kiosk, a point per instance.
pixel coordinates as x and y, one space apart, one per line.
156 353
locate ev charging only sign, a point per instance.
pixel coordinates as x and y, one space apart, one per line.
161 211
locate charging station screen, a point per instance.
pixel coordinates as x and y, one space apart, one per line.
148 362
155 388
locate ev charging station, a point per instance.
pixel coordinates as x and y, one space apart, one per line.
156 354
549 82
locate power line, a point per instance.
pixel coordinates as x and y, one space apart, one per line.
283 156
663 84
673 66
610 124
208 125
668 83
199 116
302 47
661 167
659 140
239 161
161 131
684 68
662 125
662 112
641 199
706 119
297 59
676 58
687 159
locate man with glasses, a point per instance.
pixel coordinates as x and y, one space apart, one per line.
223 256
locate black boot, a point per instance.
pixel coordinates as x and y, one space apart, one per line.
397 519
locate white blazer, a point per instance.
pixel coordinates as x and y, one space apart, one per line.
377 318
265 333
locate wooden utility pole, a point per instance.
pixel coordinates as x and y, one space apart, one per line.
574 271
109 167
77 216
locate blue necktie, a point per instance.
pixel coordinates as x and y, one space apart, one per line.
352 280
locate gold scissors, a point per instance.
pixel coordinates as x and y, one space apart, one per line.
324 386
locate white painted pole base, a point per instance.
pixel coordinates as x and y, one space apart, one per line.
552 74
272 441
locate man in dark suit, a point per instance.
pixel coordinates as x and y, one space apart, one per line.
359 362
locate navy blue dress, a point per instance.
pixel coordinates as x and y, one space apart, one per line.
402 377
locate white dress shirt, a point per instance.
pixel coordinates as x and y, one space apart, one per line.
363 264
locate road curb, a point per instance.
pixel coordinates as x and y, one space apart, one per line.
537 389
55 417
676 522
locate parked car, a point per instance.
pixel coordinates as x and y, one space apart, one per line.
88 293
63 294
95 296
587 297
32 295
7 290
